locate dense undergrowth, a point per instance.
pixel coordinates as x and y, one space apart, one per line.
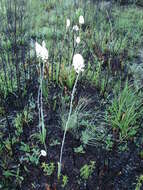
103 147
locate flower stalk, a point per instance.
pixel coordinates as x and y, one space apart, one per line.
66 127
42 54
78 64
40 106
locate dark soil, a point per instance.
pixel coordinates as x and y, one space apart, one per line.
115 170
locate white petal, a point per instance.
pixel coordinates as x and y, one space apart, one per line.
41 51
43 153
81 20
78 40
68 23
75 27
43 44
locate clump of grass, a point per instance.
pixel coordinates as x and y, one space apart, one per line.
124 112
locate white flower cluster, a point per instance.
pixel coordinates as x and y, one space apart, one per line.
81 19
75 27
78 63
41 51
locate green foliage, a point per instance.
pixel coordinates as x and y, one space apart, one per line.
12 174
22 119
79 150
139 183
54 142
136 70
2 111
48 168
68 77
124 112
8 145
6 84
87 170
78 116
14 43
45 91
94 75
33 158
109 142
64 180
95 131
25 147
18 124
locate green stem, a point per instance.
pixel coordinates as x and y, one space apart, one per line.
41 115
66 127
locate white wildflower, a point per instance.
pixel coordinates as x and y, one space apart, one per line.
77 40
43 44
41 51
43 153
75 27
68 23
78 63
81 19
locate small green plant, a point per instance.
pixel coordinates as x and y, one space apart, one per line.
19 124
48 168
95 133
141 154
87 170
9 144
64 180
109 142
16 174
27 115
79 150
33 158
139 183
21 119
25 147
123 147
67 77
55 142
